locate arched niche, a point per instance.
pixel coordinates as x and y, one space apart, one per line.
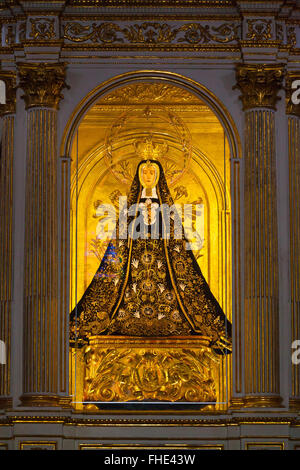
212 177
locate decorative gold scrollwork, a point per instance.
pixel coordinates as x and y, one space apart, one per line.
153 372
195 33
104 32
151 32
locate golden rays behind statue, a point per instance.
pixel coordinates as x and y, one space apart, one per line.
125 146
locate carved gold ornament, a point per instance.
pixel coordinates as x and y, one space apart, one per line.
150 93
42 28
42 84
151 32
138 370
259 30
259 84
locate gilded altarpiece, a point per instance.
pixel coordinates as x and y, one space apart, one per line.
193 150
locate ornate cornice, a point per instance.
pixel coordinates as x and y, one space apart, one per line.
210 23
9 79
259 85
42 84
291 108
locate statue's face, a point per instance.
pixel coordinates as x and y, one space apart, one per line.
148 175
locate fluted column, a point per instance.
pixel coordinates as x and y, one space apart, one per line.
259 86
293 117
7 111
44 381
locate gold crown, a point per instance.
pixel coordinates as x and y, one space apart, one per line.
146 148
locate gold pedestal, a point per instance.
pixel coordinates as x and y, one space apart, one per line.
173 369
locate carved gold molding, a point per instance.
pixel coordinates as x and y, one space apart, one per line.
42 84
130 369
9 79
151 33
42 28
291 108
259 30
151 93
259 85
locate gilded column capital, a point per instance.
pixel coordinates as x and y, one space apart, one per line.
259 84
291 106
9 78
42 84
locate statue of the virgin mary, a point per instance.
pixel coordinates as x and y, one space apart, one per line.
149 283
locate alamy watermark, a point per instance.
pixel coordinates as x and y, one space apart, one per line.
296 353
296 94
150 219
2 352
